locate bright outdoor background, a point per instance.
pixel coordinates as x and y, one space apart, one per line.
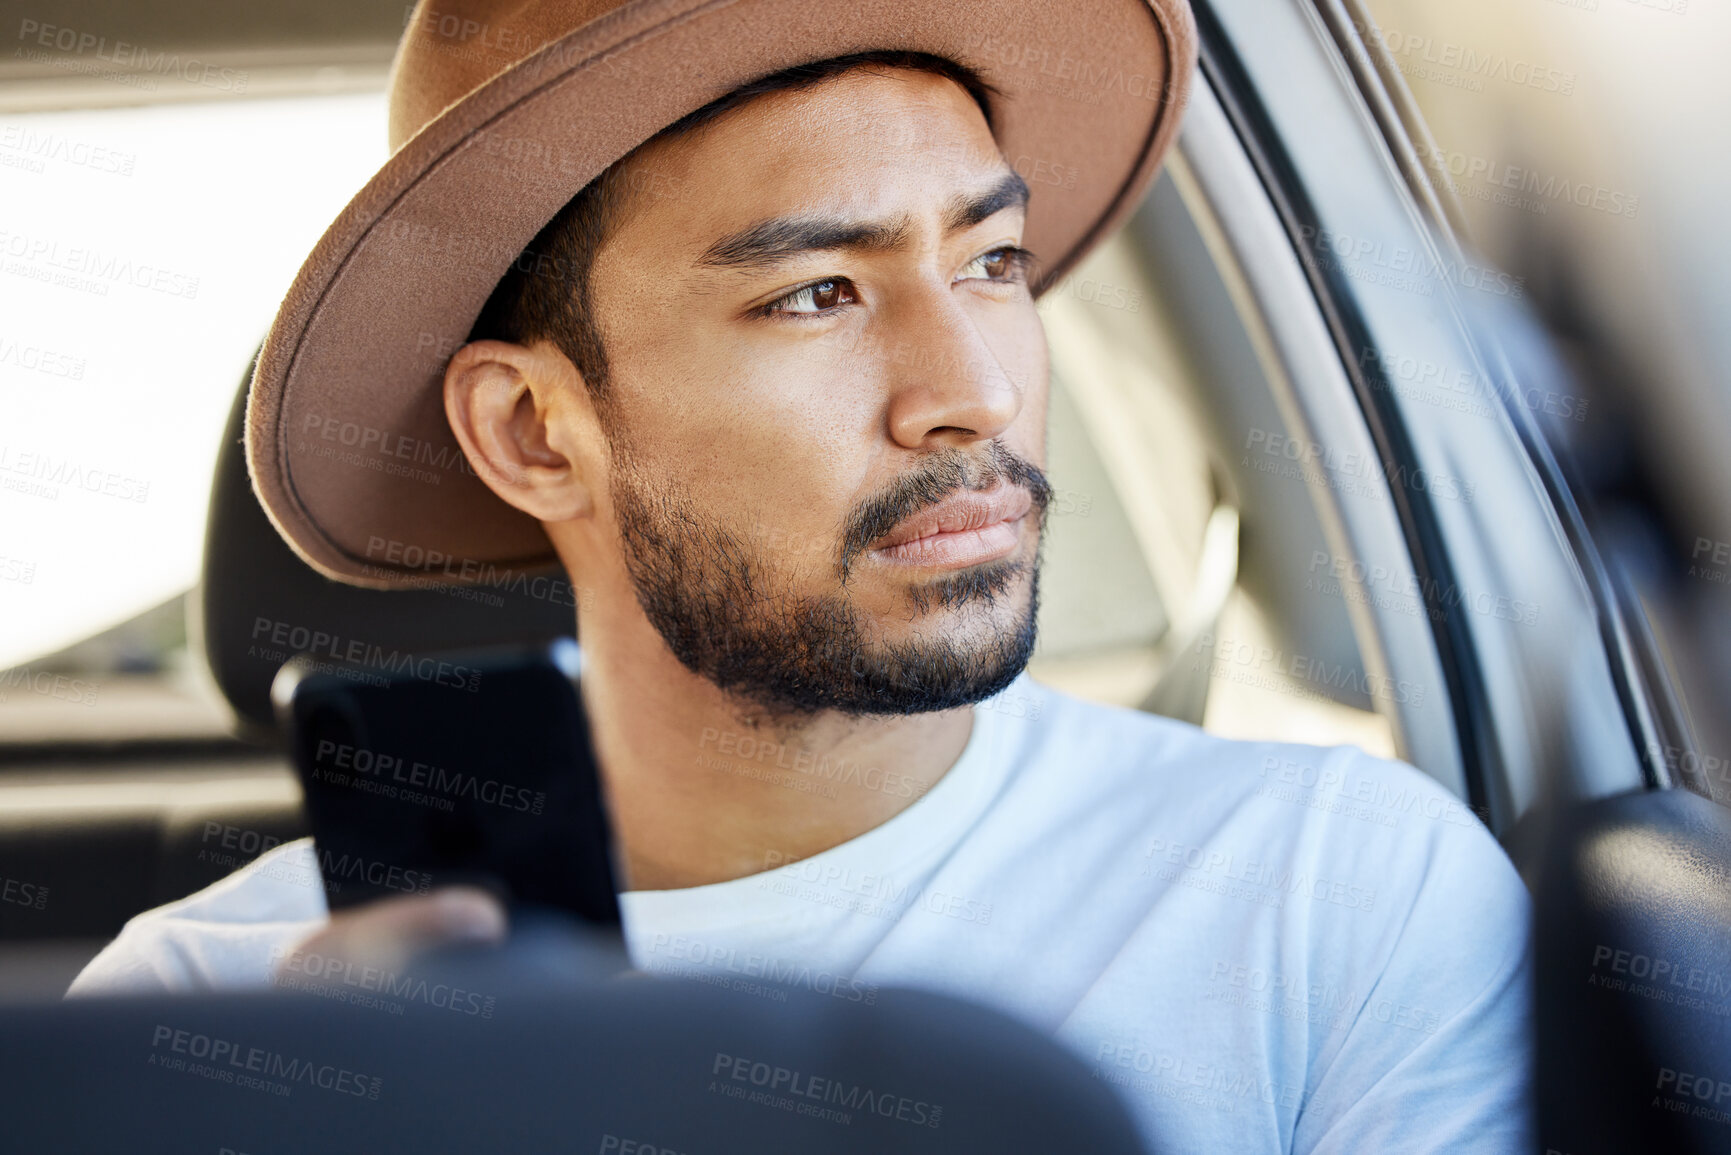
174 232
147 236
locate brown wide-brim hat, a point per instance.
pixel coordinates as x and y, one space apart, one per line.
501 112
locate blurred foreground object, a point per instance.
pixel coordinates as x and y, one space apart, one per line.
536 1048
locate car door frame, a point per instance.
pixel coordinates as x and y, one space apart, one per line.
1553 705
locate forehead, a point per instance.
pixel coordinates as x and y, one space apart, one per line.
869 142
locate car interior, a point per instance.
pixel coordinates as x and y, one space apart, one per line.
1260 527
1150 560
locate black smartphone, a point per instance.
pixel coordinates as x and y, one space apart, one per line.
469 767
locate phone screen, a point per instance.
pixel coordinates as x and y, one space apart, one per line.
461 768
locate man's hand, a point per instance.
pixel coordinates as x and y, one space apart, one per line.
388 933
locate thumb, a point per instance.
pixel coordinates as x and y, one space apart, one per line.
388 933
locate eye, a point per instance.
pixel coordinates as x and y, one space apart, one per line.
1008 264
810 300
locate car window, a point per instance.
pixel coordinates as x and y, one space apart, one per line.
1562 140
145 250
1156 592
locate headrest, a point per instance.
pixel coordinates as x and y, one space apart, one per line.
258 605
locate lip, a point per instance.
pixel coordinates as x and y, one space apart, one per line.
963 530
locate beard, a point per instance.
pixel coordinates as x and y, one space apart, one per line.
730 618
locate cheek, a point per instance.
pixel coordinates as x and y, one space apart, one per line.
1025 355
778 448
1017 340
803 453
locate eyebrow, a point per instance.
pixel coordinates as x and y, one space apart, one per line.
771 242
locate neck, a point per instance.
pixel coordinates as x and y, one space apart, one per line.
703 788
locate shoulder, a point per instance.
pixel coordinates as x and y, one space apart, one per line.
1372 853
1376 831
1344 915
226 935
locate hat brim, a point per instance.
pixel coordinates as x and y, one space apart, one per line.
347 442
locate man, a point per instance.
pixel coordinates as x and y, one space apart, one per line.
804 312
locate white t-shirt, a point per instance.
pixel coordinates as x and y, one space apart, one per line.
1265 947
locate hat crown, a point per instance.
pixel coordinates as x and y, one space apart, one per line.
452 47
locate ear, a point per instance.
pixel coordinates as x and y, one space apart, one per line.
522 416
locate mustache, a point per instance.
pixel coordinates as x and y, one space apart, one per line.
943 474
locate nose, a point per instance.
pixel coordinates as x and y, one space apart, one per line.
949 388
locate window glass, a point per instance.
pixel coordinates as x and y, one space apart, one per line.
142 254
1576 140
1140 594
